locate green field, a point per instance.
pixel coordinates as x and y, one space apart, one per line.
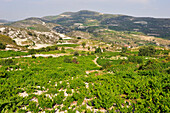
5 54
136 84
68 45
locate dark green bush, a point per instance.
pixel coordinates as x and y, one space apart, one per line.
124 49
7 62
135 59
76 53
67 60
2 46
98 50
147 51
33 57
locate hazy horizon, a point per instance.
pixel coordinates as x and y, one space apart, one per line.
13 10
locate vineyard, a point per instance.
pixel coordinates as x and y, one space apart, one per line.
120 82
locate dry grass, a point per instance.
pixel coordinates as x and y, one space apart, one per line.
6 40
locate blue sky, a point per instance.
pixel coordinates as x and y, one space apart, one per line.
21 9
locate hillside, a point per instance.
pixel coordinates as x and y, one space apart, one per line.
6 40
31 37
132 39
82 20
63 79
116 29
87 20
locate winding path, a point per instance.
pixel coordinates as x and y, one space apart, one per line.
95 61
38 55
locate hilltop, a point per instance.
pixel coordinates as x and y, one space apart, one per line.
86 20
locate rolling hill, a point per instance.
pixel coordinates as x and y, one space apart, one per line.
110 28
86 20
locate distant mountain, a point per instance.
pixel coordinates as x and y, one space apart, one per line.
38 24
90 21
159 27
4 21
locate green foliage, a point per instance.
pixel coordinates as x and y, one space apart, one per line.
32 51
69 91
68 45
63 50
33 57
83 44
5 54
59 98
124 49
32 28
7 62
124 88
78 37
45 102
67 60
47 49
98 50
33 107
2 46
30 33
76 53
89 48
147 51
136 59
6 40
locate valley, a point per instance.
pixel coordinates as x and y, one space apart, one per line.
84 62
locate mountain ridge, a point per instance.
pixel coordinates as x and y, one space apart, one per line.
159 27
116 29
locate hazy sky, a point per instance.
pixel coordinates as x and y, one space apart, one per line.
21 9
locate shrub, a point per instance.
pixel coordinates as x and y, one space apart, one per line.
98 50
147 51
33 107
68 91
106 64
76 53
59 98
6 62
104 50
67 60
135 59
30 33
75 60
83 44
32 51
63 50
151 65
33 56
124 49
50 57
88 47
123 62
2 46
3 74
